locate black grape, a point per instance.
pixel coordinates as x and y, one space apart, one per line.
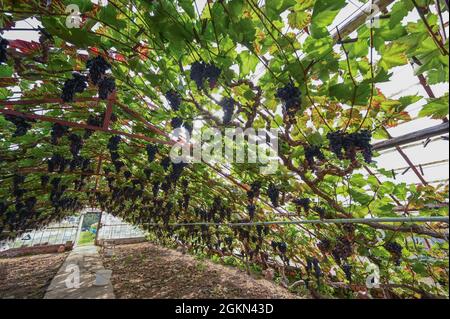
396 251
189 126
255 188
97 67
347 271
75 85
227 105
177 170
76 143
350 142
127 174
113 144
197 73
106 86
274 193
321 211
148 172
155 188
176 122
313 152
152 150
291 97
85 165
174 99
3 54
212 73
165 163
22 124
58 132
303 202
251 211
77 161
342 250
200 72
336 140
282 247
317 271
44 180
57 163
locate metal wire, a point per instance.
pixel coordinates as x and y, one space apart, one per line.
434 219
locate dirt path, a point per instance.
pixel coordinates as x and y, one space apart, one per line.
149 271
28 277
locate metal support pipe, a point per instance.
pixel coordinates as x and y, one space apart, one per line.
429 219
412 137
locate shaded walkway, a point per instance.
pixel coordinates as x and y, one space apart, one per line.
76 278
149 271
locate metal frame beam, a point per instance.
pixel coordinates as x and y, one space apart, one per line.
440 129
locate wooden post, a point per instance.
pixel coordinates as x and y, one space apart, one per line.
99 225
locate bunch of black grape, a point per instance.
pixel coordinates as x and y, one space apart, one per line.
186 200
177 170
105 87
57 163
97 67
148 173
251 211
44 181
324 245
77 84
77 161
152 150
155 188
113 143
174 99
350 143
342 250
395 249
113 147
127 175
362 140
97 120
281 248
3 54
274 193
302 203
227 105
76 144
58 132
18 181
165 163
291 97
321 211
176 122
22 124
92 120
347 271
317 271
189 126
3 208
201 72
313 264
312 153
254 190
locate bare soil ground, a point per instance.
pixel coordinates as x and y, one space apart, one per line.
146 271
28 277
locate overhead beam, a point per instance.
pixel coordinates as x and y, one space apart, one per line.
421 219
412 137
359 20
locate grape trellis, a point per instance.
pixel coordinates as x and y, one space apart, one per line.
87 114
